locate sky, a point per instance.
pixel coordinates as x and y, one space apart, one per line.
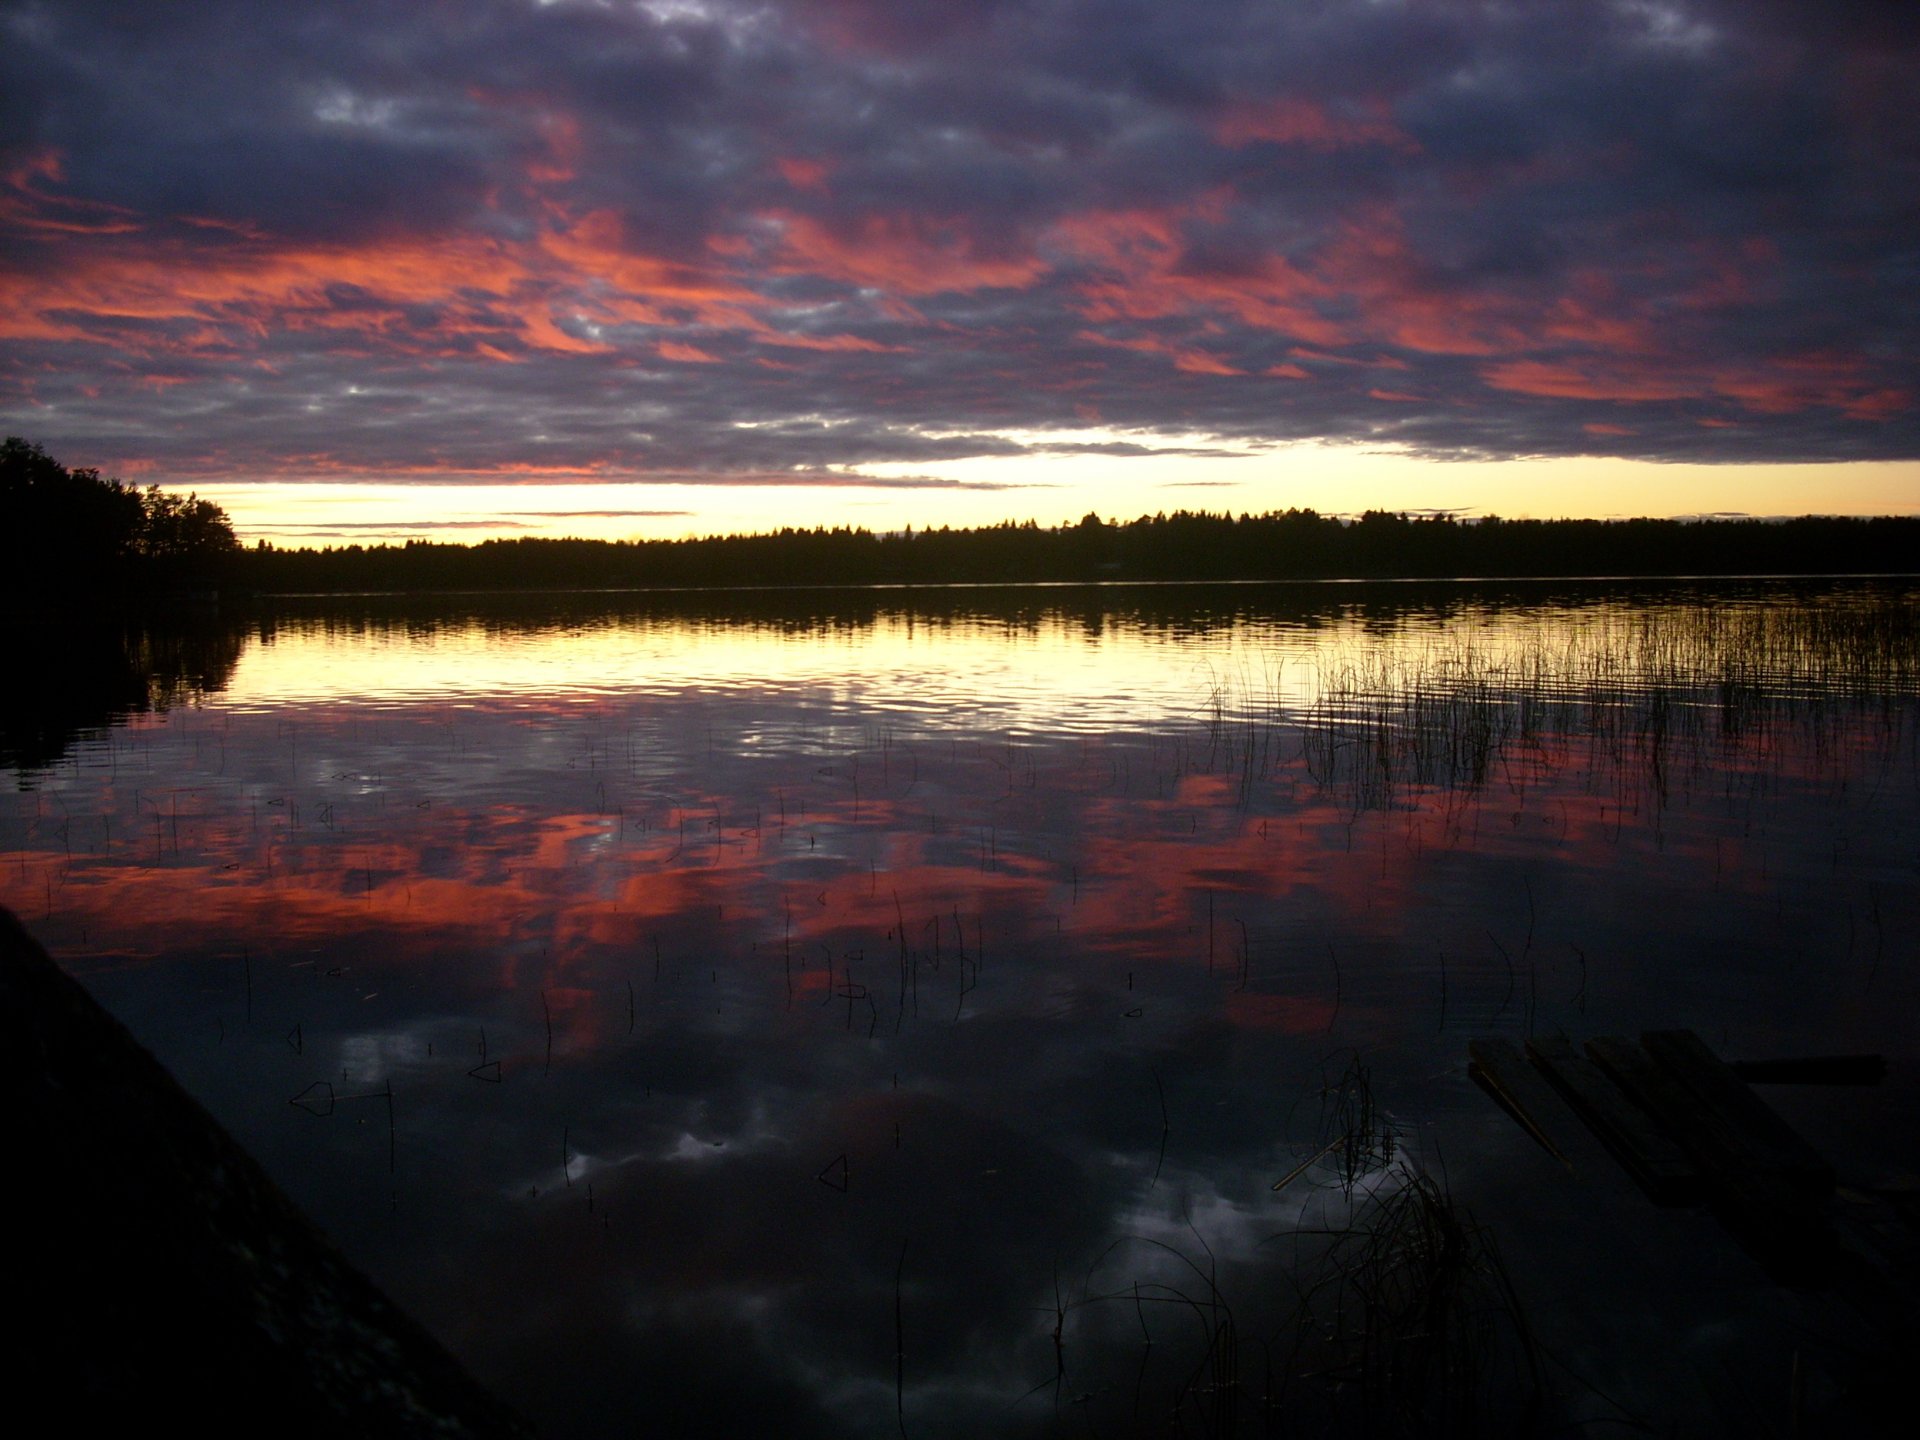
663 267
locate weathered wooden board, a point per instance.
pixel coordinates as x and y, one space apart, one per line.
159 1269
1813 1070
1773 1218
1715 1144
1761 1131
1656 1163
1497 1067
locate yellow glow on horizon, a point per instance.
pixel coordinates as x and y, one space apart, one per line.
1055 489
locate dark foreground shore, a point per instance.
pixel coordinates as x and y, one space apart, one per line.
155 1271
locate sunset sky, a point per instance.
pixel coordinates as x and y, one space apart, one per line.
659 267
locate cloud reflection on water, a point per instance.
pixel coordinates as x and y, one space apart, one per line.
727 919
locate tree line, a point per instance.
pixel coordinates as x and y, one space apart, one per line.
1186 545
75 533
73 530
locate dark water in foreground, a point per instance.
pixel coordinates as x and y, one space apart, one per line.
848 1014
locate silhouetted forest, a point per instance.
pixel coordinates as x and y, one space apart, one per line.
72 534
1288 545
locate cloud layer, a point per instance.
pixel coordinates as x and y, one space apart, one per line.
731 240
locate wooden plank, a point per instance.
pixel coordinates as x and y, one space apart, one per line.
1813 1070
1685 1056
1715 1144
162 1272
1496 1066
1658 1165
1771 1218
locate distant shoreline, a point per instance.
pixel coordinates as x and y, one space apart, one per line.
909 587
1290 546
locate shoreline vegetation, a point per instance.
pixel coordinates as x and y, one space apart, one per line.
77 531
1184 546
74 533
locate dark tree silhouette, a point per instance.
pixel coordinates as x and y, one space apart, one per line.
64 528
71 531
1185 546
174 527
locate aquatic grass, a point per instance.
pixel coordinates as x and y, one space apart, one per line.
1657 695
1207 1384
1407 1324
1397 1318
1479 719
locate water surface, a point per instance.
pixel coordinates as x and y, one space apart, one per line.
847 1013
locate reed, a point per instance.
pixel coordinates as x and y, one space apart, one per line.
1408 1325
1666 687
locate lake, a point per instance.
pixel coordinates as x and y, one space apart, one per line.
884 1012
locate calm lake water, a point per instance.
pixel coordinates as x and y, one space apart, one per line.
855 1014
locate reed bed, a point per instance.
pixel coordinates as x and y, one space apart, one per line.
1668 688
1395 1317
1407 1324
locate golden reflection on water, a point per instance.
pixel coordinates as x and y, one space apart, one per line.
1064 664
962 899
1049 669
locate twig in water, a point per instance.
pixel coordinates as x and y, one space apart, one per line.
900 1345
1308 1163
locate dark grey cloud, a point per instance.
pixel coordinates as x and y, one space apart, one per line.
738 239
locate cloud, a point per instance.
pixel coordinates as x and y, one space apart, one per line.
743 238
503 520
841 480
601 514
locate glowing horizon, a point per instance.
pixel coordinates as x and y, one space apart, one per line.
757 263
320 513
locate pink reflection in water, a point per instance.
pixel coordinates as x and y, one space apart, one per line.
1022 988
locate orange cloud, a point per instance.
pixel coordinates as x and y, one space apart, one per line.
1276 297
1185 358
565 147
1777 386
26 201
688 354
802 174
1537 377
1796 382
1366 274
901 253
604 268
492 296
827 342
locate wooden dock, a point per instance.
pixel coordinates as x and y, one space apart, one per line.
1689 1129
162 1276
